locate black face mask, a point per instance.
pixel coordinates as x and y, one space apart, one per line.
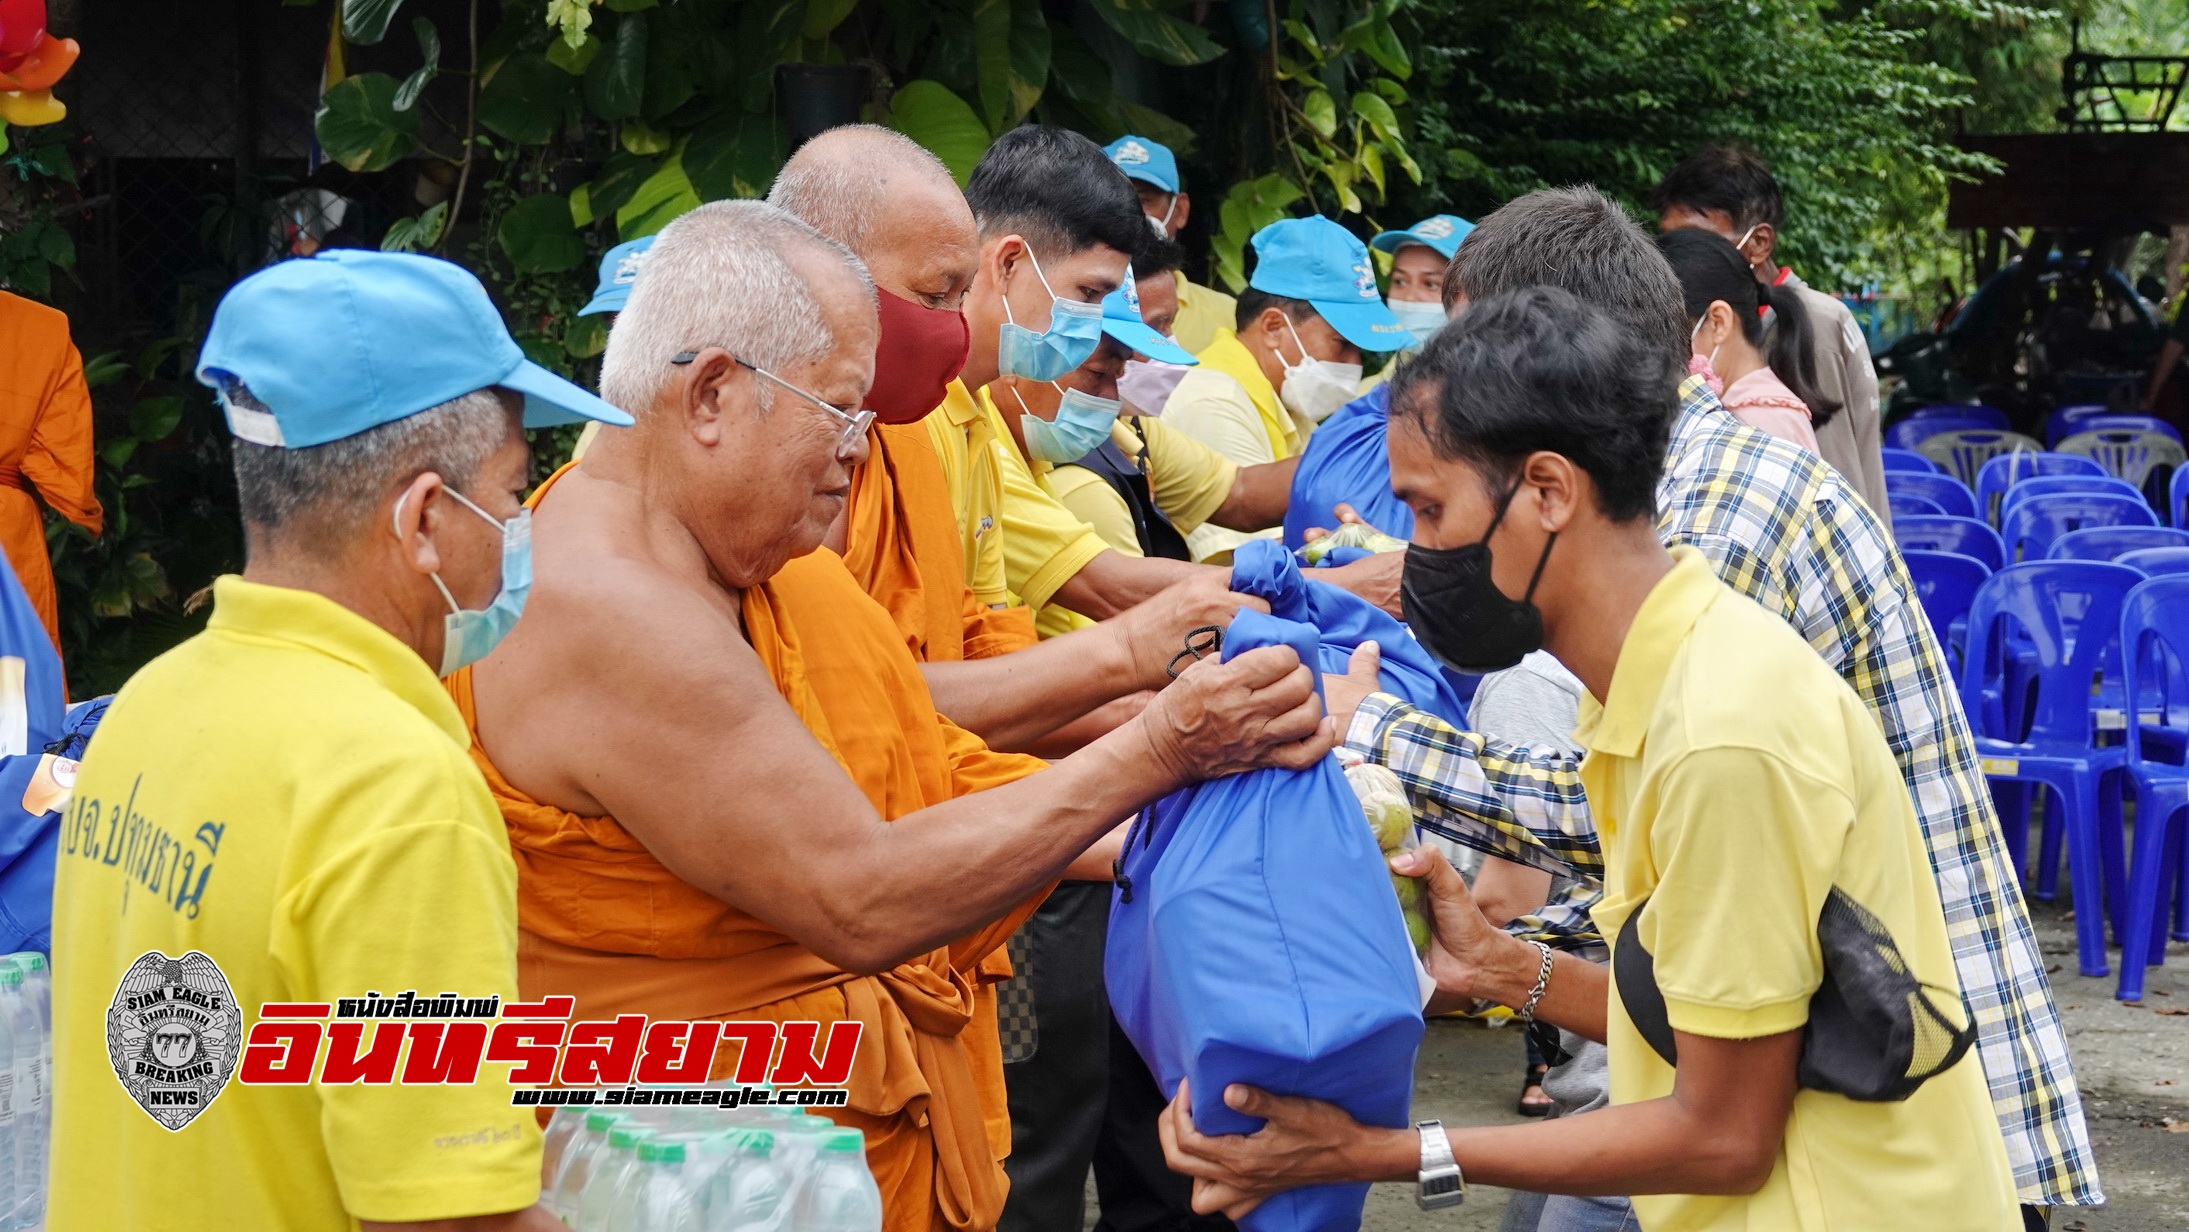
1459 615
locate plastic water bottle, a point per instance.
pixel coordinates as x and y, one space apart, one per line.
579 1162
840 1194
12 1111
749 1191
611 1172
33 1112
660 1196
562 1133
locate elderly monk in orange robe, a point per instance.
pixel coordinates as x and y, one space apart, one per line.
896 207
45 444
727 788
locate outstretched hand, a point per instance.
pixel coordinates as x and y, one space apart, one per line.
1469 957
1302 1142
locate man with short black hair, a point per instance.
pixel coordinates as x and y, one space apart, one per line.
1754 794
1783 528
302 776
1730 191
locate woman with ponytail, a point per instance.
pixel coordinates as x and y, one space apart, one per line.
1775 392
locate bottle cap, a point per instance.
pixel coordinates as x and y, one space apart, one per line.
843 1140
625 1137
602 1122
31 961
757 1141
661 1152
11 976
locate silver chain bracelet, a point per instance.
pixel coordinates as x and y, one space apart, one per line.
1542 983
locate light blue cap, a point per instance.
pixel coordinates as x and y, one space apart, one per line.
618 270
1321 262
1148 161
1440 232
1121 320
350 339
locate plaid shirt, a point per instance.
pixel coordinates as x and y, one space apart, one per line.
1782 527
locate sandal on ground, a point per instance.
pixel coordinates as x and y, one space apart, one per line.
1533 1101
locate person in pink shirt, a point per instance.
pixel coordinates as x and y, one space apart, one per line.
1778 392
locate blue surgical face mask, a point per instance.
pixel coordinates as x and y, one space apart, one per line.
468 636
1075 329
1420 319
1082 423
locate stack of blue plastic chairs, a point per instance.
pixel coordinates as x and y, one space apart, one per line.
2035 577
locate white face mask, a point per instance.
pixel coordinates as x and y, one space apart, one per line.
1314 388
1163 225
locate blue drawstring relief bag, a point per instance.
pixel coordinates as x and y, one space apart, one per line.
1346 463
1264 569
1254 938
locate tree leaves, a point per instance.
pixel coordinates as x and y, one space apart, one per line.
415 234
539 236
615 83
733 154
367 21
358 124
823 16
1156 34
1248 208
992 59
429 46
665 196
930 114
525 98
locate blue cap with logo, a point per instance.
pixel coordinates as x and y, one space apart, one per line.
349 339
1150 162
1121 320
618 270
1440 233
1321 262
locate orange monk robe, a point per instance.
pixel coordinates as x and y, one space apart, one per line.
45 444
902 544
603 921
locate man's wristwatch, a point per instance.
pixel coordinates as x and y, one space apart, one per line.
1439 1184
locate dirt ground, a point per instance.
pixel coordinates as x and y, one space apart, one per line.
2132 1062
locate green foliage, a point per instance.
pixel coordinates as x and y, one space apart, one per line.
1516 95
930 114
360 127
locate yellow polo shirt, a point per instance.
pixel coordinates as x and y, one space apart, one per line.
1020 543
1188 480
1202 312
1735 780
288 793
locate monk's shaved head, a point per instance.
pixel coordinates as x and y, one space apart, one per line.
846 181
741 275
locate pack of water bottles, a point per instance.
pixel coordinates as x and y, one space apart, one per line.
674 1169
26 1069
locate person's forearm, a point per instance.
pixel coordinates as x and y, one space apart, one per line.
1089 727
1259 496
1374 578
1113 582
2170 353
1008 841
1012 701
1574 998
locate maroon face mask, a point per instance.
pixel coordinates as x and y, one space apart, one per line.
920 352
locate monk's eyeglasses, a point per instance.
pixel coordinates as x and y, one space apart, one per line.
855 422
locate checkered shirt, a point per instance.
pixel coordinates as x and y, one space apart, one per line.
1783 528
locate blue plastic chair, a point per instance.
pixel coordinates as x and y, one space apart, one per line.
2029 527
2154 615
1951 495
1990 416
1946 584
2177 497
1908 460
2110 542
2155 562
2068 420
2058 605
2126 423
2053 485
1965 536
2006 470
1908 505
1910 433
